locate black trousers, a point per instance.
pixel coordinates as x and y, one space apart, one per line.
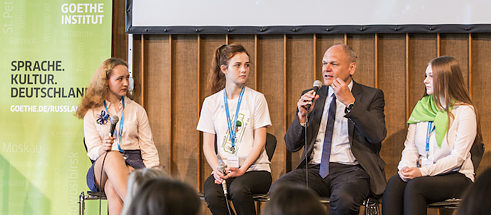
346 185
413 196
240 191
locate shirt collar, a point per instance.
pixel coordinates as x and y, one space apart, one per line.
109 104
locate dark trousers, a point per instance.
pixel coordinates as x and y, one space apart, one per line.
413 196
240 191
346 185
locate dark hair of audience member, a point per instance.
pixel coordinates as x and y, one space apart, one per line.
162 196
477 198
294 199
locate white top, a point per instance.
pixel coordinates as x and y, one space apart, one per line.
136 131
253 114
340 147
454 154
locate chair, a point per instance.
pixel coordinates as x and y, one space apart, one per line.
90 195
477 151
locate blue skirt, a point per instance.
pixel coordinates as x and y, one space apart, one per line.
132 158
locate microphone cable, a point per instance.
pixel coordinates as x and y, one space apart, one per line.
226 203
224 187
305 150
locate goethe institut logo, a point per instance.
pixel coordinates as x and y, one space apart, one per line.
82 13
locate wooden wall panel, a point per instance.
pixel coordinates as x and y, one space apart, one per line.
392 81
119 38
422 48
185 151
300 76
157 73
457 45
364 46
270 79
481 81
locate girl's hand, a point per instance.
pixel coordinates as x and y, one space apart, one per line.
219 177
107 144
234 172
410 172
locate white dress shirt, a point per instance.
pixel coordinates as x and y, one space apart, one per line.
340 146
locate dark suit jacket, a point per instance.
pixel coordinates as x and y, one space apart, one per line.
366 128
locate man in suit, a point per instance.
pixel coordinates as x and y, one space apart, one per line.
345 128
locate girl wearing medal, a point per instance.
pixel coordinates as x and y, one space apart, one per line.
237 117
131 145
436 161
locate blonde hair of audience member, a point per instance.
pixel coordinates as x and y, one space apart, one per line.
136 179
476 199
293 199
161 196
98 89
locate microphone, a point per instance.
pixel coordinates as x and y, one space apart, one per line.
221 168
114 121
317 85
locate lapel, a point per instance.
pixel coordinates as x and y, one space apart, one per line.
356 91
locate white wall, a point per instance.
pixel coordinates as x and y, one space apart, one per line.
308 12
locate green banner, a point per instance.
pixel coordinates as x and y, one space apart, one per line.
49 51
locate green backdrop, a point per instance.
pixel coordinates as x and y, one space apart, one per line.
49 51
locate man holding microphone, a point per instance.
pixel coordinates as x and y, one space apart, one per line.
345 125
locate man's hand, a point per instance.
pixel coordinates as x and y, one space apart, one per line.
342 92
305 99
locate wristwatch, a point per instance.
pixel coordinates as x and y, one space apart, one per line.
348 108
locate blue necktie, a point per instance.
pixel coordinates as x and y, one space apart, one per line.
326 148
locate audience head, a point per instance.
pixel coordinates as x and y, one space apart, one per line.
477 197
99 87
136 179
339 61
165 196
293 199
221 63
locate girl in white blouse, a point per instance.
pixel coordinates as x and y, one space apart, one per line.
131 145
436 161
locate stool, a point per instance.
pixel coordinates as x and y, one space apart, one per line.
90 196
